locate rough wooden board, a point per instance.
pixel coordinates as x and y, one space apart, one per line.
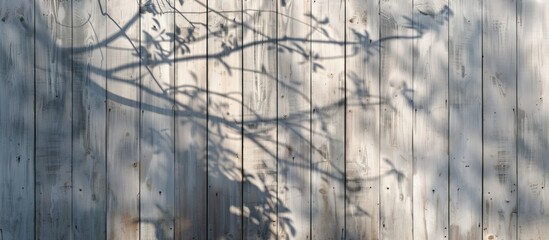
53 119
465 119
122 119
396 120
260 119
17 120
499 116
294 105
362 116
533 119
328 119
225 120
89 120
430 130
190 123
157 121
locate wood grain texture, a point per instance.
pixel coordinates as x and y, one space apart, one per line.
430 129
362 116
465 119
499 120
190 124
123 79
294 115
533 119
156 157
89 120
328 119
396 119
53 119
225 212
260 115
17 120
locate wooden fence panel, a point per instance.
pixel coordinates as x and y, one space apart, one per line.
89 120
17 120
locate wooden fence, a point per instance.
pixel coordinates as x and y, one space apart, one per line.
274 119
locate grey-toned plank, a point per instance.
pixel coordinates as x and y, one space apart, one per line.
225 119
396 119
294 104
17 120
157 121
465 119
328 119
89 120
499 120
260 112
122 119
430 130
190 124
533 119
362 115
53 119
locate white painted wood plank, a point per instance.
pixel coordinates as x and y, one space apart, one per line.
430 131
362 116
225 119
328 119
17 120
190 125
260 113
53 119
499 120
89 120
465 119
157 121
294 105
123 119
396 119
533 119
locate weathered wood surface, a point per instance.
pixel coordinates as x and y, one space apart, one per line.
89 120
123 107
499 120
225 213
328 119
156 176
294 115
465 119
190 120
362 119
290 119
430 120
532 119
260 115
396 119
17 120
53 119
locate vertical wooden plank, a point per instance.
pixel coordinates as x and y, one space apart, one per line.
190 124
430 130
17 120
53 119
225 119
465 119
328 119
396 119
89 120
156 158
294 105
362 116
499 120
533 119
123 119
260 117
